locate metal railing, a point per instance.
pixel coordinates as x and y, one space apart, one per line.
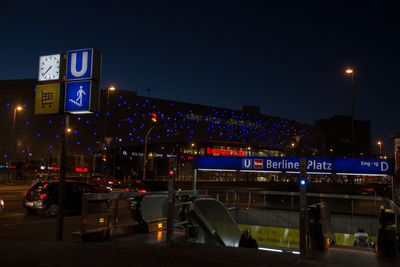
252 199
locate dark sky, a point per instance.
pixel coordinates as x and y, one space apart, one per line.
288 58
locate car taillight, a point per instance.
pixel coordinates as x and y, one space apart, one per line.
142 191
26 192
127 189
43 196
45 185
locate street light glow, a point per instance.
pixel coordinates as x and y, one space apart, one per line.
69 130
349 70
19 108
111 88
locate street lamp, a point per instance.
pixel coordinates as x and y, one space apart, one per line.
380 148
351 71
17 108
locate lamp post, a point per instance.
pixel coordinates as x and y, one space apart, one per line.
380 149
17 108
111 88
154 121
351 71
145 152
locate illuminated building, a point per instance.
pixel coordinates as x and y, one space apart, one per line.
182 129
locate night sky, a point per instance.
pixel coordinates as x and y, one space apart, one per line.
289 59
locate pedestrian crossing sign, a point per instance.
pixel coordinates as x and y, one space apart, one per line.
47 98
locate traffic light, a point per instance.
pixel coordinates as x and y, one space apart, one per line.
302 182
104 157
154 117
171 172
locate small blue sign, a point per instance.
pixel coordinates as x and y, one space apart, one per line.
353 166
79 64
77 96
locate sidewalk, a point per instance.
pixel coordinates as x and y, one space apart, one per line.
15 186
136 250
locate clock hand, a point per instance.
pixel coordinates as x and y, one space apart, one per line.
47 70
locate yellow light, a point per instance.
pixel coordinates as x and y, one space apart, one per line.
69 130
293 144
192 144
101 220
111 88
159 236
349 70
159 225
248 148
19 108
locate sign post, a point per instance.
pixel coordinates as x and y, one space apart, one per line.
81 95
61 189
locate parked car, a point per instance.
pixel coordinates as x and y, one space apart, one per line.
43 196
98 184
147 186
107 180
2 206
44 177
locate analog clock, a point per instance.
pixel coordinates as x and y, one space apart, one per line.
49 67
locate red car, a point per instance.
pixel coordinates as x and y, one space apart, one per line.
98 184
107 181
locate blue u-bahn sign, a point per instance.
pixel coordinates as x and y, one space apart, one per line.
282 164
83 64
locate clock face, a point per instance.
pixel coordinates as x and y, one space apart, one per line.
49 68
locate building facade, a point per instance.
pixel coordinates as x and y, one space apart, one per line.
337 130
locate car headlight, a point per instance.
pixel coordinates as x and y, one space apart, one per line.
2 202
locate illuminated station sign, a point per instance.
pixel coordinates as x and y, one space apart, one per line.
340 166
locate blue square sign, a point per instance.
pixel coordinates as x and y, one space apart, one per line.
80 64
78 96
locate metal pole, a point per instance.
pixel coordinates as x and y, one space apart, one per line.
145 153
61 189
114 162
352 116
106 116
171 205
106 127
303 208
13 124
195 180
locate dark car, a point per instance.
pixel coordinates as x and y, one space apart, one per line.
43 196
147 186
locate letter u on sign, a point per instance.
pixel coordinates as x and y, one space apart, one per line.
79 64
84 64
